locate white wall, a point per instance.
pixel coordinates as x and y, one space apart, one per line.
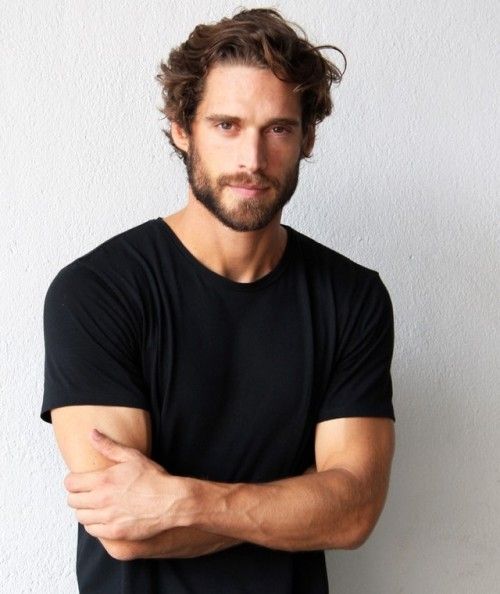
404 180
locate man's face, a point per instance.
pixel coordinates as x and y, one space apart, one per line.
245 147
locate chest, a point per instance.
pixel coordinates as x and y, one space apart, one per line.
233 384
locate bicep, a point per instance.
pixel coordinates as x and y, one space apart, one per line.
362 445
73 425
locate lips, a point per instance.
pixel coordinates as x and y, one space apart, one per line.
250 187
249 191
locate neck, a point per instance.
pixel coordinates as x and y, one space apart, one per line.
242 256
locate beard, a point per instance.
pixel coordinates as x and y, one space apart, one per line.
248 214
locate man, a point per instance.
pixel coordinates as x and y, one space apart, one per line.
237 371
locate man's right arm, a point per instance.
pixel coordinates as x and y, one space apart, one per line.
180 542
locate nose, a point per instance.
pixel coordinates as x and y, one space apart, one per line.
252 152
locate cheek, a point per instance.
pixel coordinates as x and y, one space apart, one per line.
284 151
215 156
283 162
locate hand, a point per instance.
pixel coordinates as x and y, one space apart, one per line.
134 499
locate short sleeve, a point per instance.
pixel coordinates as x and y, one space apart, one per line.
91 347
360 379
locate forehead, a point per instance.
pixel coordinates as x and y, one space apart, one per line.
248 91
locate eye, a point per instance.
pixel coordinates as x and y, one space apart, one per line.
280 130
225 125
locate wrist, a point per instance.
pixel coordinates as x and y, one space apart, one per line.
209 505
185 495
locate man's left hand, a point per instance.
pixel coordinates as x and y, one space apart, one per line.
134 499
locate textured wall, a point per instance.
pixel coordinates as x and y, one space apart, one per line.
404 180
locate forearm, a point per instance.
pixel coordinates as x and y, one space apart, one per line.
179 542
176 543
322 510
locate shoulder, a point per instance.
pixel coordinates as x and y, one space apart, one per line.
109 276
345 289
112 262
121 251
333 267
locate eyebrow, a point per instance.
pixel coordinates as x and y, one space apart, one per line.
218 117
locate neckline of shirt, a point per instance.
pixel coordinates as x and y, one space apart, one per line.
261 282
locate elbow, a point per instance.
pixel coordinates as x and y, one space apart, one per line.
121 550
356 533
354 539
363 523
357 539
366 524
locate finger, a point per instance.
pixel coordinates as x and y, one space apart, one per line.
85 501
77 482
108 531
110 448
93 516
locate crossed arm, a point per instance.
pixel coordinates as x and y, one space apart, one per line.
335 507
131 427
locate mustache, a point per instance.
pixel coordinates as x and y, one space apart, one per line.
246 180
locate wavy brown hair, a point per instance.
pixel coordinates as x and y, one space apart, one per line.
259 37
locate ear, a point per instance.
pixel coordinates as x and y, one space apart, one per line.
179 136
308 141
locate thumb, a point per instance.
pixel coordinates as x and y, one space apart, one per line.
110 448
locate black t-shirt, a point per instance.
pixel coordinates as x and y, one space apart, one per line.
234 375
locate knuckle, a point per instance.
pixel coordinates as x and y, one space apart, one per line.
104 479
103 500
